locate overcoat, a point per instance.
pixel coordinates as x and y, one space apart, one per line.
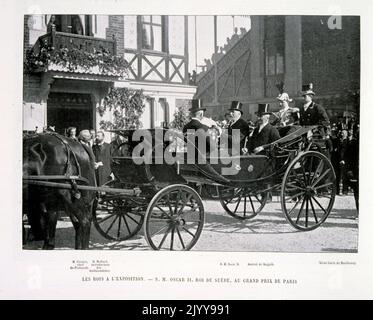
102 154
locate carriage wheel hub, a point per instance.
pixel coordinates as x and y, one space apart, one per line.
310 191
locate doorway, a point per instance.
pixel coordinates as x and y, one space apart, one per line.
66 110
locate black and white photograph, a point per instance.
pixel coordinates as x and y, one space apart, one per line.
186 150
288 85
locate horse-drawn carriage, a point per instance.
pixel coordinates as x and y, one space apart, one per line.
165 196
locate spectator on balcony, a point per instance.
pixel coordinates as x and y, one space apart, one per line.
208 64
228 44
216 56
77 27
243 32
235 37
51 24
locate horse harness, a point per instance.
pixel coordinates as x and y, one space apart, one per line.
72 179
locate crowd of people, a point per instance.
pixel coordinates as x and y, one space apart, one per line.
341 140
217 55
99 151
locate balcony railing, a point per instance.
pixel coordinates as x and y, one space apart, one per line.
67 52
60 40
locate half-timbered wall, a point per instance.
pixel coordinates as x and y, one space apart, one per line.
156 48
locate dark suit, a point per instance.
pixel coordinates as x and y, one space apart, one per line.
314 115
268 135
102 153
244 128
194 124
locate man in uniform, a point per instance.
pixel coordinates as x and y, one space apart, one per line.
312 113
264 133
237 123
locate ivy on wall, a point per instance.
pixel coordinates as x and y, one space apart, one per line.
75 59
181 117
126 105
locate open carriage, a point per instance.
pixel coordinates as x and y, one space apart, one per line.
169 199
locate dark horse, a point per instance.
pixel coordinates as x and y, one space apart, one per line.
50 154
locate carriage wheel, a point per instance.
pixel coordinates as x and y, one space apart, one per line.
174 218
117 218
308 190
240 203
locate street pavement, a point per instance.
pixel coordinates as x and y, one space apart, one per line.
267 232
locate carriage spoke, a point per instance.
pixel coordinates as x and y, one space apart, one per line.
319 204
180 238
134 220
164 237
111 225
295 178
127 226
300 210
119 225
304 172
177 202
291 211
172 239
107 218
169 204
238 203
168 216
252 205
185 229
309 171
313 210
244 208
306 223
295 186
321 177
184 204
316 171
324 185
296 195
159 231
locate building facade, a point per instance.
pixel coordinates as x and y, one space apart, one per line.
289 50
155 47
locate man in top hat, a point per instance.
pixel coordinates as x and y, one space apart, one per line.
197 113
264 133
312 113
237 123
197 126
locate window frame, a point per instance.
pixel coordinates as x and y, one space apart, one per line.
157 25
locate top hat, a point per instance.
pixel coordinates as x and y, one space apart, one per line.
307 89
284 97
197 106
236 106
262 109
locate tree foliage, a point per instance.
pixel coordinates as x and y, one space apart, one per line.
126 105
181 117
